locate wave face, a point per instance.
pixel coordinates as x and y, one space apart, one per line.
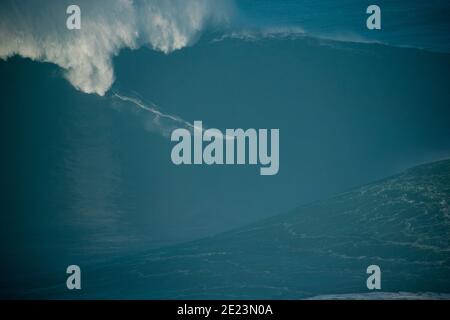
98 185
37 30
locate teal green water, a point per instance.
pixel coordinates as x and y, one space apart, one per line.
88 180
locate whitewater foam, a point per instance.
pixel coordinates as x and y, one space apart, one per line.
38 31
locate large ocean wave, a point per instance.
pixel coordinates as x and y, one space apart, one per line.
38 30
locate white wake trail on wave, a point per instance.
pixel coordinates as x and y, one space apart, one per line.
164 123
153 109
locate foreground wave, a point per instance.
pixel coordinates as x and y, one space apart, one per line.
320 250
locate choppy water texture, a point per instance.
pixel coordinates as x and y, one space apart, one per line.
401 224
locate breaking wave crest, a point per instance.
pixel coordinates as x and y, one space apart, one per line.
37 30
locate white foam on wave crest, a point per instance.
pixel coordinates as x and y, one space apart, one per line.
37 30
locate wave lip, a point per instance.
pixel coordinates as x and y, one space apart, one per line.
38 31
